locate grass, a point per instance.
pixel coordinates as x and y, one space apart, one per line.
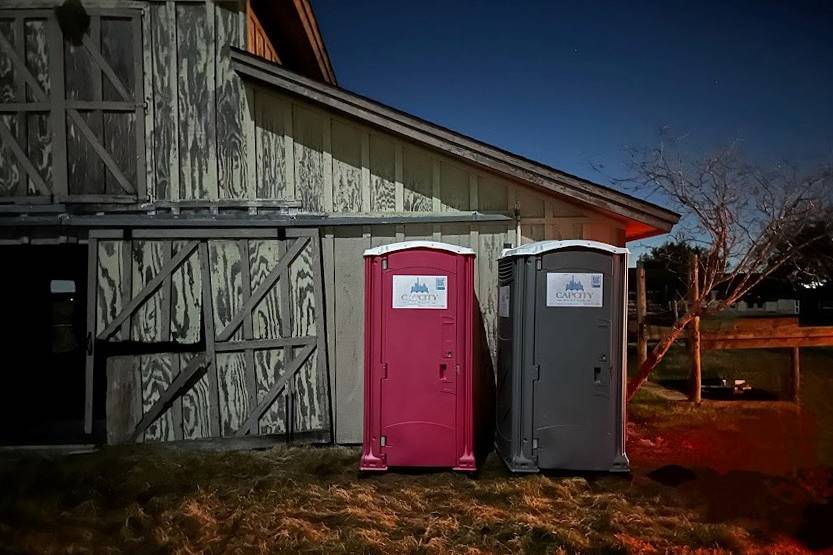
724 477
767 370
312 500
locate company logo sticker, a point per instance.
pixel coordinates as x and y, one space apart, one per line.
427 292
575 290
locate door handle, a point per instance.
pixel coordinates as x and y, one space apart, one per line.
443 371
597 371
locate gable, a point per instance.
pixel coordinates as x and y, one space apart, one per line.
639 218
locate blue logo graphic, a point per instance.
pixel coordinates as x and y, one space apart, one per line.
418 287
574 285
440 284
596 281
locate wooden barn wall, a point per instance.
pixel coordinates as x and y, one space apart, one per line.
197 114
209 136
174 313
30 129
334 164
191 112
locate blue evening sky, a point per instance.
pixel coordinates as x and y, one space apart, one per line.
573 84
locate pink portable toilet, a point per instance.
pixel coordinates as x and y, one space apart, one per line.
418 367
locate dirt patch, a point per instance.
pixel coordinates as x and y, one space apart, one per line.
755 465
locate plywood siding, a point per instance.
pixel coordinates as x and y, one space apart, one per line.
198 308
342 166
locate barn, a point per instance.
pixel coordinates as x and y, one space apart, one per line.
185 197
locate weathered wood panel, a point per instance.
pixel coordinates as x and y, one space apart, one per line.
417 178
171 312
454 187
226 285
11 174
268 322
123 398
457 234
348 326
196 408
148 259
382 174
157 370
492 238
186 304
117 47
272 162
112 273
8 88
308 129
165 132
234 398
308 387
85 169
347 167
492 194
269 364
157 374
197 127
39 140
231 108
119 139
39 148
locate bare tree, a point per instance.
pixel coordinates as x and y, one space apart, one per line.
749 222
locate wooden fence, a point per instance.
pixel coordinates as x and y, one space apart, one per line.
734 333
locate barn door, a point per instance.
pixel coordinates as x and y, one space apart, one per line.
210 334
71 106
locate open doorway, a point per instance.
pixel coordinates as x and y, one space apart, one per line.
43 338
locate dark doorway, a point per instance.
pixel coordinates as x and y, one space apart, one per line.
43 338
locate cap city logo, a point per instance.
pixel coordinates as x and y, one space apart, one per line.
574 291
420 294
420 291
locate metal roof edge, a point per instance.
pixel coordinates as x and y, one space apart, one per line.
406 245
540 247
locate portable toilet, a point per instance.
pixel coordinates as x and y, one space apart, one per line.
419 307
562 313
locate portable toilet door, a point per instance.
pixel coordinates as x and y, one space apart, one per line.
418 406
562 356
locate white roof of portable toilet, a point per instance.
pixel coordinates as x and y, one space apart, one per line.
404 245
540 247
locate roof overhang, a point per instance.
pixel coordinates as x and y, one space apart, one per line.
640 218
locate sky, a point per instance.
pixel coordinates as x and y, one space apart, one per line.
575 84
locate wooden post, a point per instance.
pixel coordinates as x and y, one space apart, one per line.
795 384
695 376
641 310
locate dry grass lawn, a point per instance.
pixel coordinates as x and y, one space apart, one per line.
313 500
715 479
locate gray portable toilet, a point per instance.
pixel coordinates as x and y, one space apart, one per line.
562 313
